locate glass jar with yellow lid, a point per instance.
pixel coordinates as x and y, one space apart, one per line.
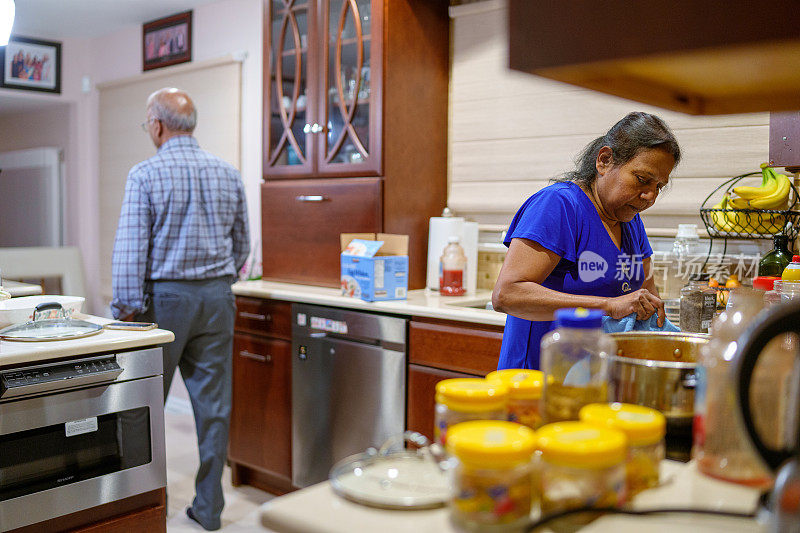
491 474
464 399
581 466
645 429
524 394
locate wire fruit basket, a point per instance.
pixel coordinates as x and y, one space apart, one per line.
733 223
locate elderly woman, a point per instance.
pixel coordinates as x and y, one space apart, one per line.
581 243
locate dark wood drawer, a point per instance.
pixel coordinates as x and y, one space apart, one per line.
301 221
457 346
264 317
422 396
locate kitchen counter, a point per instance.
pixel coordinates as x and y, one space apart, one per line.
420 302
16 288
14 352
682 486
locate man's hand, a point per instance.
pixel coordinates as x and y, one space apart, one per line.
127 318
642 302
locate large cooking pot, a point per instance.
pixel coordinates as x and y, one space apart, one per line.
657 369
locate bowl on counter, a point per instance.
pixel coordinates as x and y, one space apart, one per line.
657 369
19 310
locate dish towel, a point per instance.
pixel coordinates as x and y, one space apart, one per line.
629 323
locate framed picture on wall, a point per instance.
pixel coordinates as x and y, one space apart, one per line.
167 41
31 64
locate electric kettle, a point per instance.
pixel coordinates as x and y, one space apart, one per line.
784 501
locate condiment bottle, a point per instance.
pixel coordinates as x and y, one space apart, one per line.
452 266
776 260
698 304
581 466
575 364
491 475
645 429
770 291
721 446
792 270
463 399
524 394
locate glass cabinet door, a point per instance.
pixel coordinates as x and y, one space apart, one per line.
352 59
289 106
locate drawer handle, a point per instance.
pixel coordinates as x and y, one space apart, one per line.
245 314
256 356
310 198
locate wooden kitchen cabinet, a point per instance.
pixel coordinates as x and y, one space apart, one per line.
259 449
352 89
443 349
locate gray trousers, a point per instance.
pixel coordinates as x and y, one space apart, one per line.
201 315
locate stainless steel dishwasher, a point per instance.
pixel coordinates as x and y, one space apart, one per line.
348 386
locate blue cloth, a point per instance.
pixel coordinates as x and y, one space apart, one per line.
201 315
563 219
184 216
629 323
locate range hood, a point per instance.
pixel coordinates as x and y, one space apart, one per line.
698 57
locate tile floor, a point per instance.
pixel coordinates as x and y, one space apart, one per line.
241 503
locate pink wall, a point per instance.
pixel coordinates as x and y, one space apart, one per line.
227 27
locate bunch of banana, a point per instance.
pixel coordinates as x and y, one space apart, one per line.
772 194
719 217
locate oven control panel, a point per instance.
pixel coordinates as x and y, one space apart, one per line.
68 374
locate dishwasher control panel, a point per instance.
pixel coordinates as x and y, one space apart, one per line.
67 374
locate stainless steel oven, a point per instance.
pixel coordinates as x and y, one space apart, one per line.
79 433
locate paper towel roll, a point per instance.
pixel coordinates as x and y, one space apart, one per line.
439 230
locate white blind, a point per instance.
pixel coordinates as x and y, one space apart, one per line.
215 87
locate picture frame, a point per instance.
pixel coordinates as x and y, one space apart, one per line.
31 65
167 41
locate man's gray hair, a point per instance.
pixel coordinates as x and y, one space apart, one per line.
160 107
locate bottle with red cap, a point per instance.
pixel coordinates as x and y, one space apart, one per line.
792 270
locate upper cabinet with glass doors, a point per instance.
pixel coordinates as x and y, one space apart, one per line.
323 72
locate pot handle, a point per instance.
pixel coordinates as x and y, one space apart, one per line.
783 319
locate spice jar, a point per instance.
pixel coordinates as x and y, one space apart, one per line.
464 399
698 304
790 290
524 394
581 466
492 475
575 364
645 429
766 286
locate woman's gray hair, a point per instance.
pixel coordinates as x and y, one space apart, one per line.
635 132
163 109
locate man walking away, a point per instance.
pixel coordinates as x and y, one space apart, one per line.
181 239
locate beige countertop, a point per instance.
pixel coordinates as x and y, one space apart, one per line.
16 288
419 302
14 352
317 509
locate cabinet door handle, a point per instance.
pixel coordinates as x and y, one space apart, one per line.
256 356
245 314
310 198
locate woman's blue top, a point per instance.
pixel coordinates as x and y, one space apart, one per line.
563 219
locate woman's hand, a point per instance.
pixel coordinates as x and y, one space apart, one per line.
642 302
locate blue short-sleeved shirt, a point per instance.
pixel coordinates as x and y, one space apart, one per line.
563 219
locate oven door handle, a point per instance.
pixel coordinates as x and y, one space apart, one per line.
12 391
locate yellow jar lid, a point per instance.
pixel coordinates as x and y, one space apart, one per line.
523 384
642 425
491 443
471 395
581 445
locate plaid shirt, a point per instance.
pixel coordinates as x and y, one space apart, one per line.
184 217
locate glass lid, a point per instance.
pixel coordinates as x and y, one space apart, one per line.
393 477
44 328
